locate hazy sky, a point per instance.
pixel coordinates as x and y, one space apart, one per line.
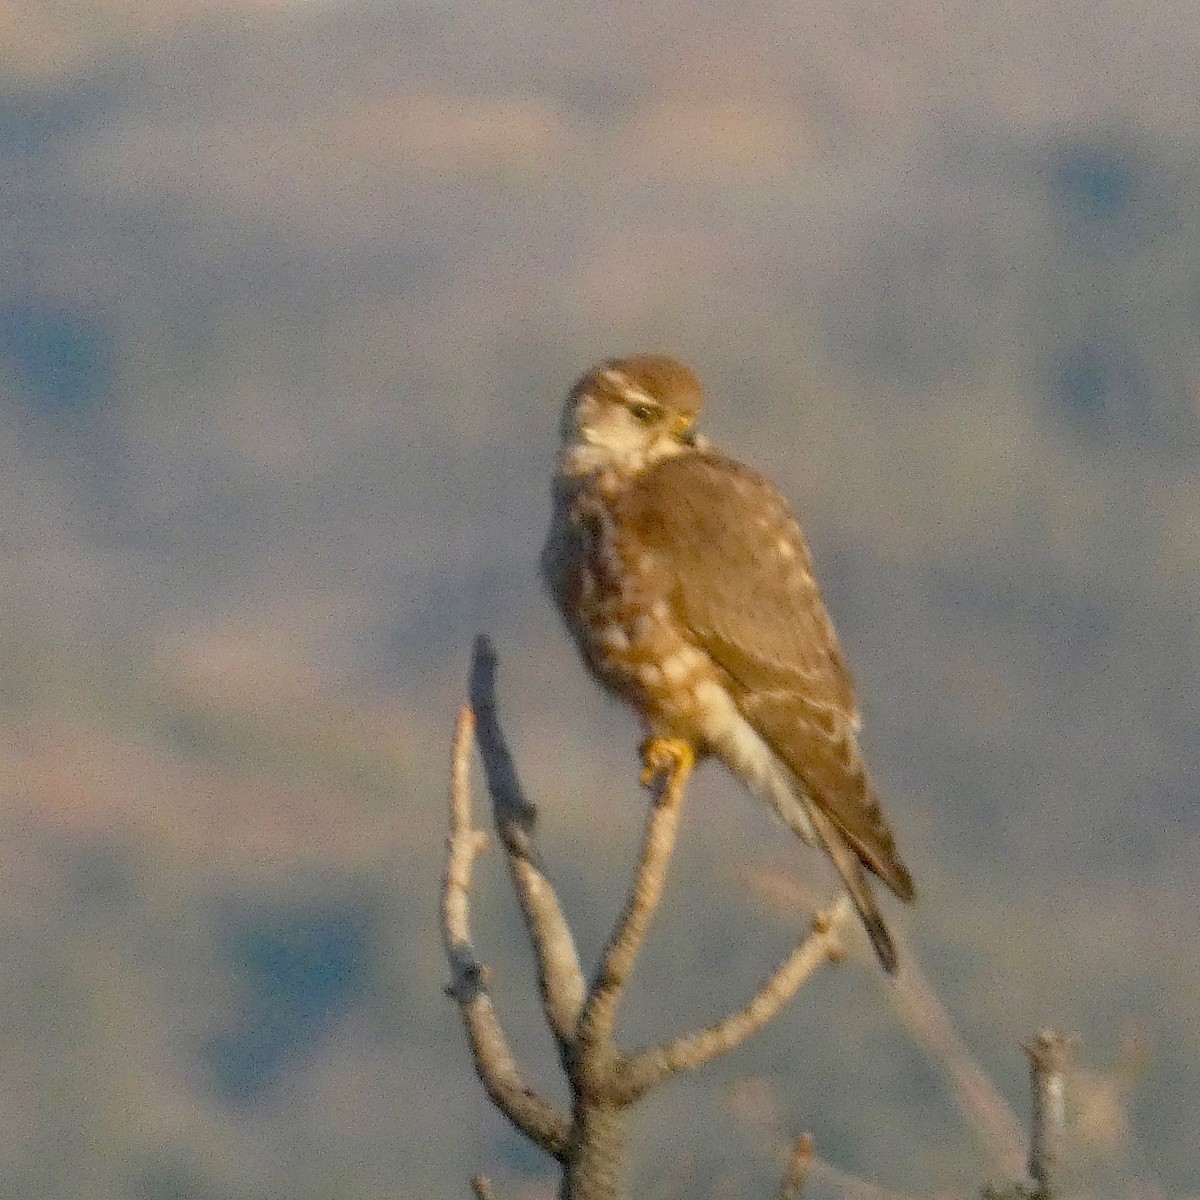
289 298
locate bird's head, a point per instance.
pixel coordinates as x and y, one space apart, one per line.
630 412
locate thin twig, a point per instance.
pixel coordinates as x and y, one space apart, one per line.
494 1063
988 1113
560 978
1047 1070
658 843
797 1169
647 1068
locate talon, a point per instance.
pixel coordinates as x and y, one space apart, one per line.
665 758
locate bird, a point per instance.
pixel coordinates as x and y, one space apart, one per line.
685 581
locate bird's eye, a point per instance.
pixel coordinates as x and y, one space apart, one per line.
646 413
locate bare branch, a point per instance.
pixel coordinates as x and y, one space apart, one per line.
797 1168
1047 1067
494 1063
649 1067
658 844
988 1113
590 1144
560 979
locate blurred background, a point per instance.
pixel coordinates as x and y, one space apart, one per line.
290 294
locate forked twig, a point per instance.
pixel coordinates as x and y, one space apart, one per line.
604 1083
590 1145
649 1067
595 1041
560 979
494 1062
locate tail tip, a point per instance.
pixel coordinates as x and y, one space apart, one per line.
885 948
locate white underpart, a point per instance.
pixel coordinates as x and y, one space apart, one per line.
736 743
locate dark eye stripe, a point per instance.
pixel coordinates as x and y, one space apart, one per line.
646 412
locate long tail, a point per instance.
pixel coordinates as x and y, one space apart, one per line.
850 869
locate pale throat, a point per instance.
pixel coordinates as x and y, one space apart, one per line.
612 462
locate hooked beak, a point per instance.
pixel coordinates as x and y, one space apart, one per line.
685 430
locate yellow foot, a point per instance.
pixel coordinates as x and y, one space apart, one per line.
666 758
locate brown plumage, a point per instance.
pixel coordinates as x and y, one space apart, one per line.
687 584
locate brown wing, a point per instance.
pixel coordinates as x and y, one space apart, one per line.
742 574
744 588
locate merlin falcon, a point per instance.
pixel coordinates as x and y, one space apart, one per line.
687 585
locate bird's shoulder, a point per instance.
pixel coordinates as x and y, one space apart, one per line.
741 577
710 504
